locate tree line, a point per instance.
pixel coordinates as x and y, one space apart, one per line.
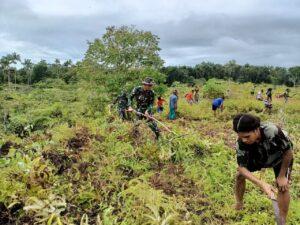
30 73
233 71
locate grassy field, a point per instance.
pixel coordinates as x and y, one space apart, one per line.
66 158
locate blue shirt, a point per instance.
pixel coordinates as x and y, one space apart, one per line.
173 101
218 102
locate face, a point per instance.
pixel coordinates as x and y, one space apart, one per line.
147 87
249 137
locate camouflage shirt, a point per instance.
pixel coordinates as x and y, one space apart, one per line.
144 98
122 101
268 152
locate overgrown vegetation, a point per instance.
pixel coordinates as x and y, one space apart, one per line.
66 161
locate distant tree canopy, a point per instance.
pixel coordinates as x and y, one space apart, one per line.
233 71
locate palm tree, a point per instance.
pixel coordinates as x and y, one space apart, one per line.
28 65
56 68
6 61
4 66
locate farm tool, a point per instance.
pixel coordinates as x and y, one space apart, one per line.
156 120
276 210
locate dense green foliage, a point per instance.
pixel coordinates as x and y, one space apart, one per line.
66 158
32 73
235 72
213 89
124 48
121 59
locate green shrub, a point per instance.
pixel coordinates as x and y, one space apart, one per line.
212 89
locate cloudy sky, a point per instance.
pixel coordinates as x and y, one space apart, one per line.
259 32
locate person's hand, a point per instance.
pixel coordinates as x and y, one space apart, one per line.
130 109
283 183
269 190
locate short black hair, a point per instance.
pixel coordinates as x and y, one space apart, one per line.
244 122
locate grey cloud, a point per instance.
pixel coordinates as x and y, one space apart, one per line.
65 35
257 37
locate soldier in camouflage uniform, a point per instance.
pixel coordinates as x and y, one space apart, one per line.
122 105
262 146
144 97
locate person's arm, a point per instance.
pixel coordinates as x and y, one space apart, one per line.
282 180
132 95
222 106
284 143
151 103
265 187
116 99
127 104
242 161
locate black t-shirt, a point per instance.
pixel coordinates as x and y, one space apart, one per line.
267 153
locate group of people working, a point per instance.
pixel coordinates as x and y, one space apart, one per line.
258 145
268 99
144 97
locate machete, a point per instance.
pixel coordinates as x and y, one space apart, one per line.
276 210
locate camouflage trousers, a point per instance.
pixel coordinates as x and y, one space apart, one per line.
150 123
123 114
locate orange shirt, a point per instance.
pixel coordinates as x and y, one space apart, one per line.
160 102
189 96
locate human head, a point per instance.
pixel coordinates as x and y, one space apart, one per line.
175 92
124 94
148 83
247 127
159 98
269 89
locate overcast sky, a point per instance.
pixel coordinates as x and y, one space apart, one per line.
259 32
